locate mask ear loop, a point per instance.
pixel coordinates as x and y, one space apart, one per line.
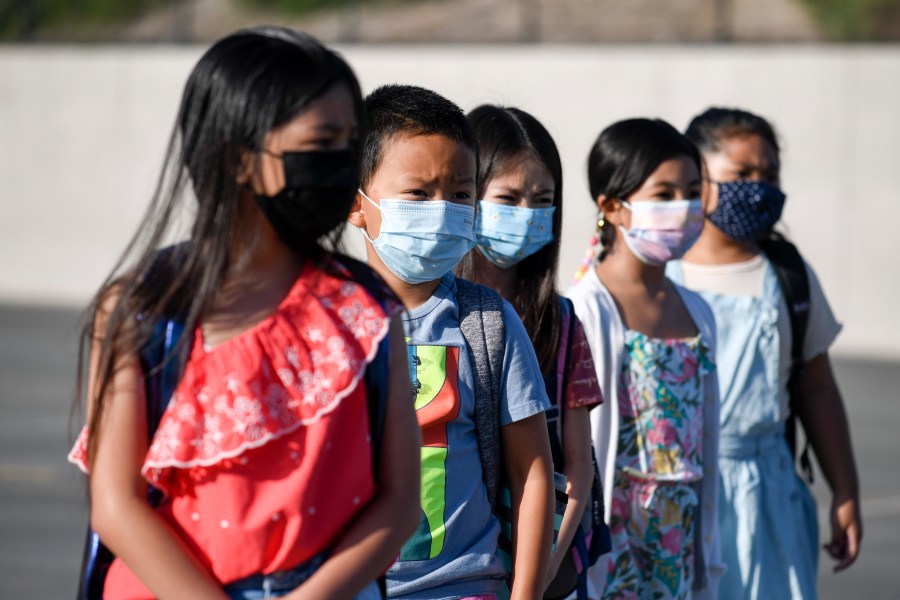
362 229
590 254
372 202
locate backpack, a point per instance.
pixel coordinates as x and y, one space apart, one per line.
481 323
163 372
160 384
794 281
593 538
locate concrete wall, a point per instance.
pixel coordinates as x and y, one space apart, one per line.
83 130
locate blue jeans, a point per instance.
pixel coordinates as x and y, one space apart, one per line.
281 583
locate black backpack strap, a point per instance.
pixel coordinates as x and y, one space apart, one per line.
794 281
376 380
481 323
376 376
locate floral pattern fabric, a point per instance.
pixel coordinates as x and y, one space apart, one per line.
583 388
652 530
659 459
661 408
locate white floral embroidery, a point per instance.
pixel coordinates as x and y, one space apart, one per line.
286 376
293 356
187 413
289 387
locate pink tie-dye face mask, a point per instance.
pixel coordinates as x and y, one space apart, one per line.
662 231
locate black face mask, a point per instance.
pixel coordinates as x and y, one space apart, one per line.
317 196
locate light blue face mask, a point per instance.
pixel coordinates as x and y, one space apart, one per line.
422 240
507 234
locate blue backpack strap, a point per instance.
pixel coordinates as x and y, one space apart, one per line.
163 370
95 562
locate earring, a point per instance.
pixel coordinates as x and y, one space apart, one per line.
590 254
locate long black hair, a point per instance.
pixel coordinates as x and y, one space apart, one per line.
243 87
709 128
625 154
504 135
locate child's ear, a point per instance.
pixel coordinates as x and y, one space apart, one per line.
357 215
245 167
610 208
603 203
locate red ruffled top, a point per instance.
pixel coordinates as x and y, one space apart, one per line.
264 453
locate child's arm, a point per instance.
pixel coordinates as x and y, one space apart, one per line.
120 513
580 476
529 467
825 423
372 541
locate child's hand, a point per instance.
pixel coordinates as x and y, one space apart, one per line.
846 532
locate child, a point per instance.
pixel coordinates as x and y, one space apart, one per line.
517 231
263 454
415 208
767 516
653 343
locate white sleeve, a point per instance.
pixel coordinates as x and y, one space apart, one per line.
822 328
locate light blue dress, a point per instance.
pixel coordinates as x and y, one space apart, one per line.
767 516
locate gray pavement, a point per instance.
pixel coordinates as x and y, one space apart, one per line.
42 501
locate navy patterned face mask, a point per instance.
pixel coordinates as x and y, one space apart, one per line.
747 210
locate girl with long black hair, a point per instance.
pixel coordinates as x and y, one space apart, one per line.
264 454
518 227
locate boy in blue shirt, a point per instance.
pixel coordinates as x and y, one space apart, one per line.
416 210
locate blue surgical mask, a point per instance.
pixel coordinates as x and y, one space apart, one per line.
422 240
507 234
747 210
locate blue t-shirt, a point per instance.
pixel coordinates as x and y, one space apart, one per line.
454 552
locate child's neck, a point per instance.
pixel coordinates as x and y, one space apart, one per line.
646 300
715 248
621 268
254 287
503 281
413 295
